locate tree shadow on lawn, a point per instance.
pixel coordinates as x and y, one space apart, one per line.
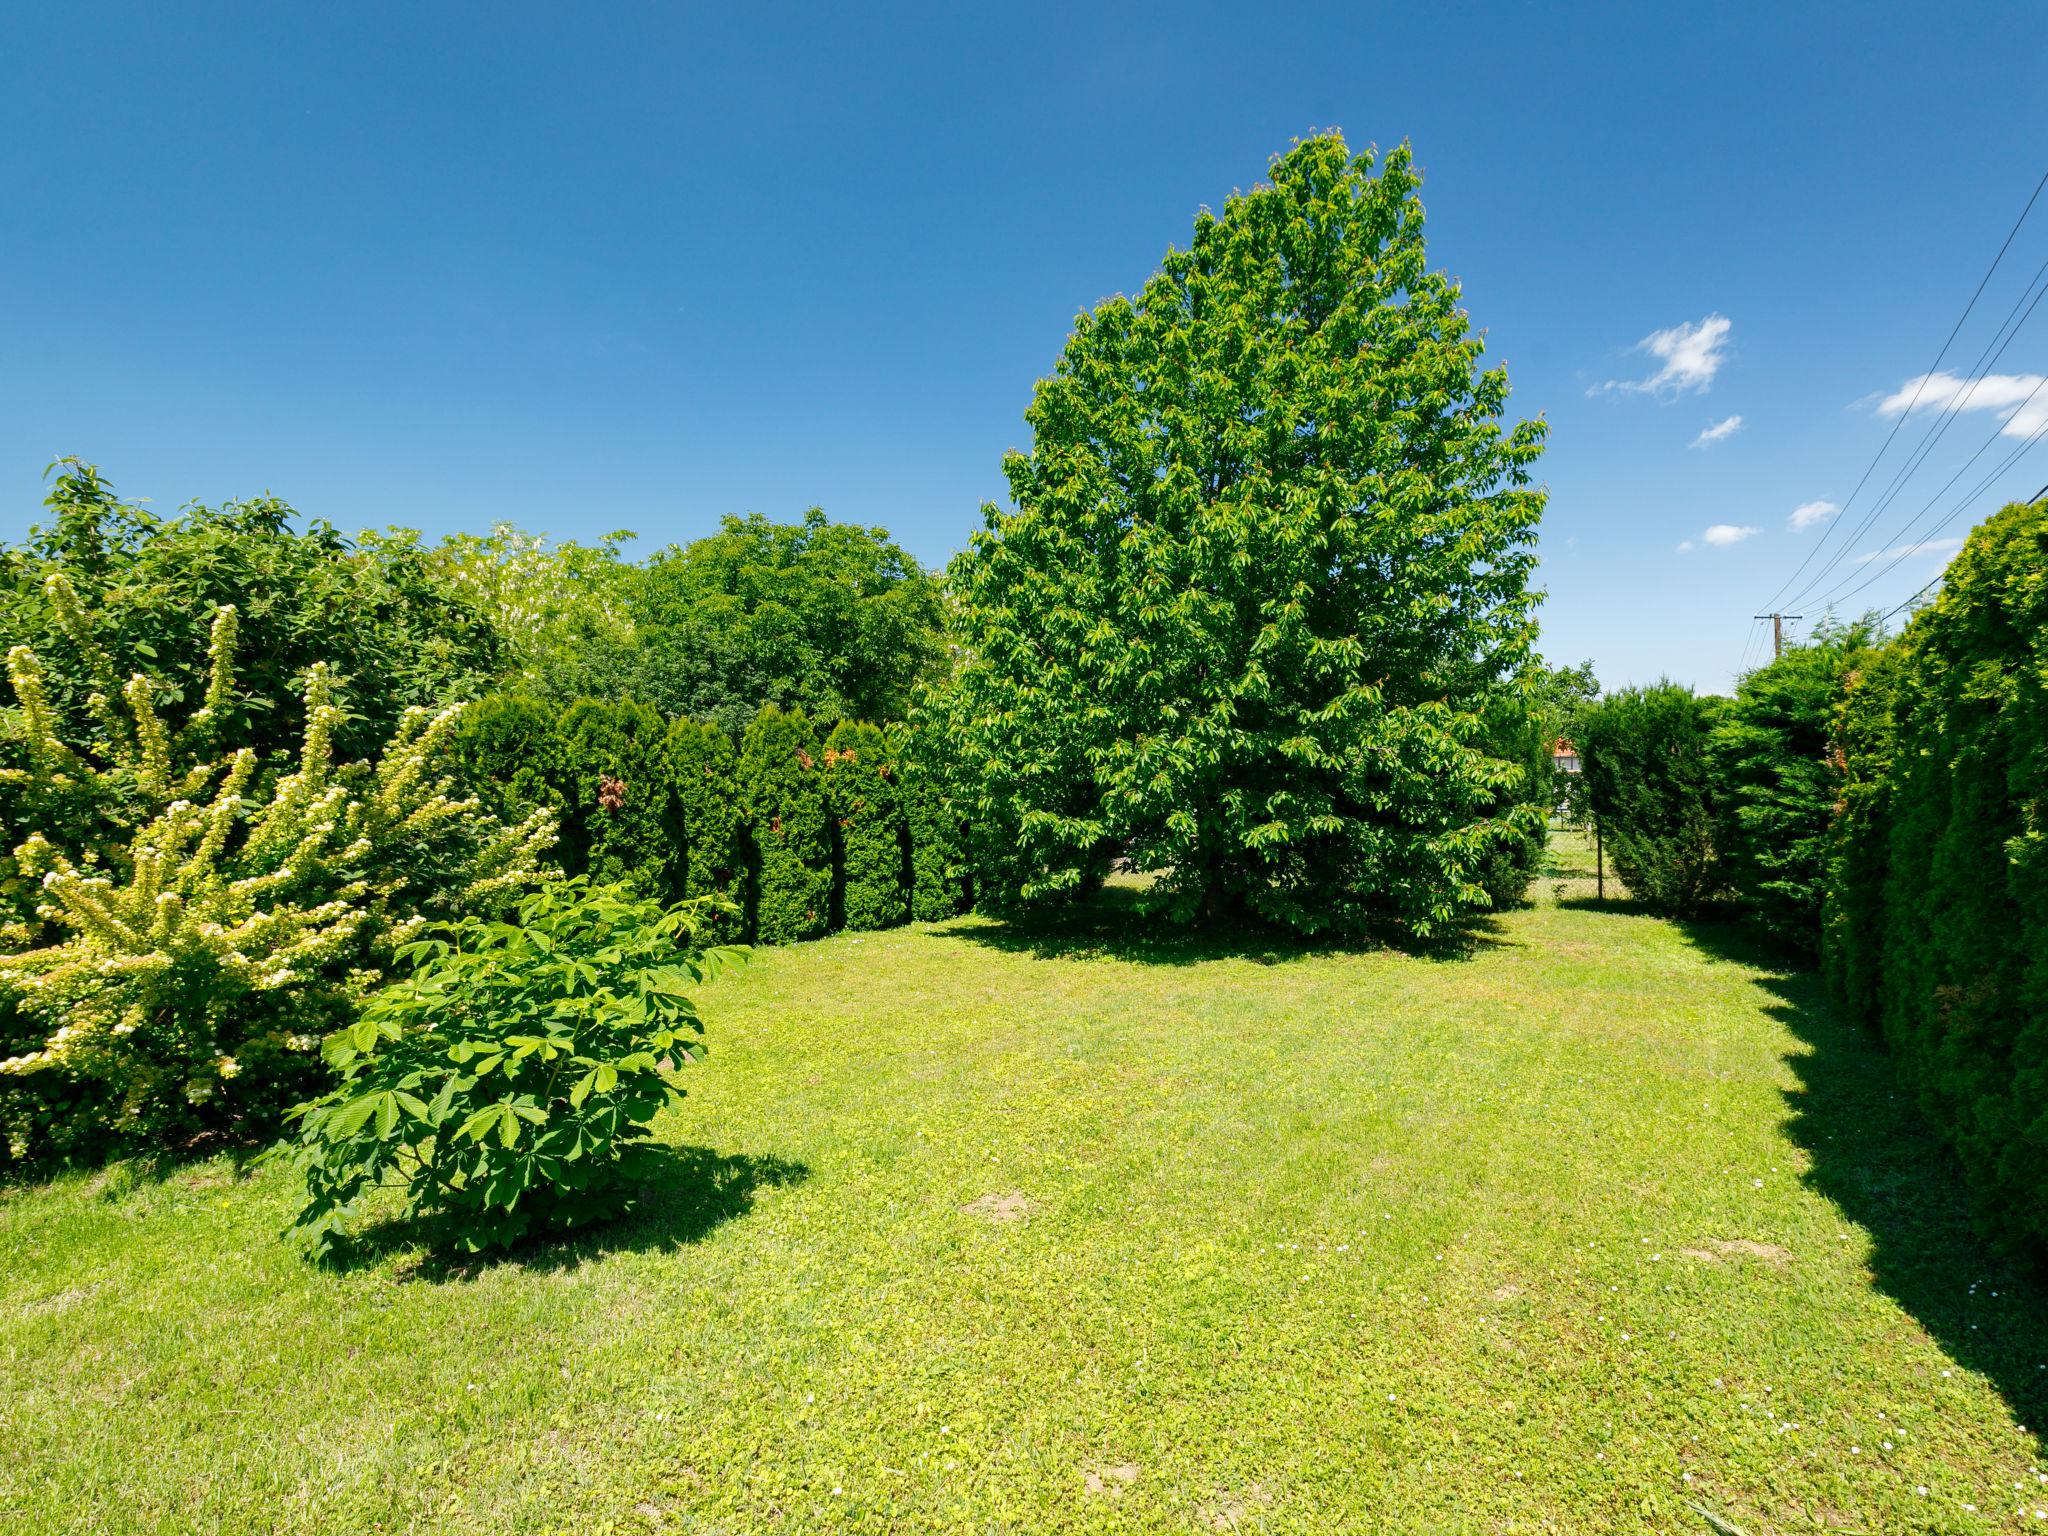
1883 1166
1111 926
687 1194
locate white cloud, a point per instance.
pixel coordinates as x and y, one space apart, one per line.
1718 536
2020 398
1691 355
1924 547
1808 513
1718 430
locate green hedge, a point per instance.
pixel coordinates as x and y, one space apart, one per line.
601 768
1650 787
940 883
1937 903
782 797
799 838
1778 781
704 784
874 842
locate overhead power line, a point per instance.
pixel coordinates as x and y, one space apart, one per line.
1931 370
1935 580
1908 535
1987 359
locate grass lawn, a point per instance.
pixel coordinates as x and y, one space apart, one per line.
981 1230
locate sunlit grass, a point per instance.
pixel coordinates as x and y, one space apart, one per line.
995 1231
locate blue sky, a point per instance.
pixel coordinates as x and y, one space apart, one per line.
610 266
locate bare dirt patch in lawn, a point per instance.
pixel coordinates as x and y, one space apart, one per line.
1228 1511
1110 1482
999 1210
1715 1249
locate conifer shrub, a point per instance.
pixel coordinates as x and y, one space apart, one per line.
864 785
1651 790
941 885
781 781
704 796
617 822
1946 814
1778 781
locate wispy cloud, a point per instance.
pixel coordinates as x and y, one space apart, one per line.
2020 398
1718 536
1719 430
1690 354
1809 513
1904 551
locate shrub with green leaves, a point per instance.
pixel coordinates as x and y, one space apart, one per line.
1946 816
782 798
1265 588
505 1083
193 918
1651 790
865 791
382 613
1779 780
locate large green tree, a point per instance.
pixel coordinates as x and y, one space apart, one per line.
1259 618
830 618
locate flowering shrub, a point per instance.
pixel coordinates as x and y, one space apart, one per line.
193 922
506 1083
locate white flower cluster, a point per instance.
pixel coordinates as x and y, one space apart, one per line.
247 894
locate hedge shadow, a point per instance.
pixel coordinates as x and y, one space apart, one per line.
1879 1162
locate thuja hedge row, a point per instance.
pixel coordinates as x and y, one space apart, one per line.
1935 921
802 836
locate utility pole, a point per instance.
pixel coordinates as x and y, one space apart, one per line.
1778 630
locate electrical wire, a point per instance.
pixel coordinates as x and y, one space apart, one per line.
1931 370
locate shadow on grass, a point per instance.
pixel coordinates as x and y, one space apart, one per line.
686 1194
1111 926
1882 1165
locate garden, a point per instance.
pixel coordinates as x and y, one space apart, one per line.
1123 1033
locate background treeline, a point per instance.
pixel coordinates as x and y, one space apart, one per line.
1882 804
800 832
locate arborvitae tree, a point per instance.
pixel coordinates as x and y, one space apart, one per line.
931 825
508 753
1859 842
615 786
866 800
1650 788
1779 781
1960 945
782 798
704 809
1265 587
601 768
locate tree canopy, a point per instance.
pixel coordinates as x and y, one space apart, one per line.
379 609
830 618
1259 618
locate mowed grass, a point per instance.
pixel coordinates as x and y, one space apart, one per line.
1562 1234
